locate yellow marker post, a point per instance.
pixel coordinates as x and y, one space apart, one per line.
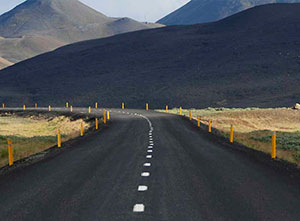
71 108
89 109
67 105
231 134
3 106
123 106
96 105
24 107
167 108
35 106
10 153
81 129
104 116
97 124
108 115
199 122
49 108
180 111
58 138
274 145
190 115
209 126
147 107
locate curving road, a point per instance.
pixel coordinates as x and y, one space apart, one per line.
148 166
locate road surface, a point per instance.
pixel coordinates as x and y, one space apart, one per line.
148 166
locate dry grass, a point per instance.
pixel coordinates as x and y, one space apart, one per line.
254 127
34 134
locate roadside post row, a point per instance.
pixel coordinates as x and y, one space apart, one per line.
106 116
231 134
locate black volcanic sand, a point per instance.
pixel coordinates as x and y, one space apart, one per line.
249 59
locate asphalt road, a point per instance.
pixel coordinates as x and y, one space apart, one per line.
181 175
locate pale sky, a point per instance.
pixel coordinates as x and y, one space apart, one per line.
141 10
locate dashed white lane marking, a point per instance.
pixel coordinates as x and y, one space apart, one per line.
145 174
142 188
138 208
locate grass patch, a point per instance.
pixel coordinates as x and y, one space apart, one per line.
253 127
34 134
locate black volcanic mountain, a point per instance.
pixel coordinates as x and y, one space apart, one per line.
201 11
249 59
38 26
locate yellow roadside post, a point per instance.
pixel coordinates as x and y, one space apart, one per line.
190 115
104 116
147 107
3 106
24 107
71 108
81 129
89 109
231 134
58 138
49 108
167 108
67 105
96 105
108 115
97 124
209 126
10 153
123 106
274 145
180 111
35 106
199 122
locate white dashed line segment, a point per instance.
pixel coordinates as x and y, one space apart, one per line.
142 188
145 174
138 208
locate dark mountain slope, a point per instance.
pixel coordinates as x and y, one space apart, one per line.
249 59
57 22
201 11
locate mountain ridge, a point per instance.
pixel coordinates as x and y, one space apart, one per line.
202 11
60 21
235 62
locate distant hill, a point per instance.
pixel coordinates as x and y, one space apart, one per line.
249 59
38 26
201 11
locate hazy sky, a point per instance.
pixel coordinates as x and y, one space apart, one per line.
141 10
